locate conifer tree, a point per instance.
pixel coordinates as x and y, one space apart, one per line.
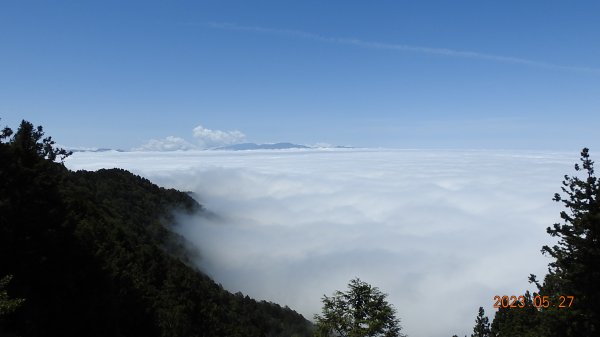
482 325
362 311
575 270
522 321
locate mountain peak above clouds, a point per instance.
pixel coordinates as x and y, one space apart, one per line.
254 146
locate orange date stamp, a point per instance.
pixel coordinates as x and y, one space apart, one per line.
518 302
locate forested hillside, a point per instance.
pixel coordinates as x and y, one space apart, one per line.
91 254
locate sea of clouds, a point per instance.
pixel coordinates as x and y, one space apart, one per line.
441 231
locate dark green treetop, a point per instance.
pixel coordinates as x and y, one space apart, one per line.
482 325
522 322
359 312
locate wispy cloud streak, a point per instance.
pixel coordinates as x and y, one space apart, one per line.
400 47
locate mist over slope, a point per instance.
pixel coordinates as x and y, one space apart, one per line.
434 229
94 254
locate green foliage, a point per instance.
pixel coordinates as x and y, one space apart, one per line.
7 304
482 325
35 240
361 311
517 322
93 254
575 270
30 145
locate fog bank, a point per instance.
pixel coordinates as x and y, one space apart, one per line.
441 232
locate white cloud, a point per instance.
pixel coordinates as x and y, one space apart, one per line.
213 138
441 231
169 143
206 138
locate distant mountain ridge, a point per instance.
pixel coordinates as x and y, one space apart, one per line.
94 150
254 146
233 147
275 146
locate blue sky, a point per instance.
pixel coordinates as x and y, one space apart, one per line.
447 74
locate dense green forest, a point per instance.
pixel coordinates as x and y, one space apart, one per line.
91 254
567 301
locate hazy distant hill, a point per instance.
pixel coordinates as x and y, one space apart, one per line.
254 146
93 150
